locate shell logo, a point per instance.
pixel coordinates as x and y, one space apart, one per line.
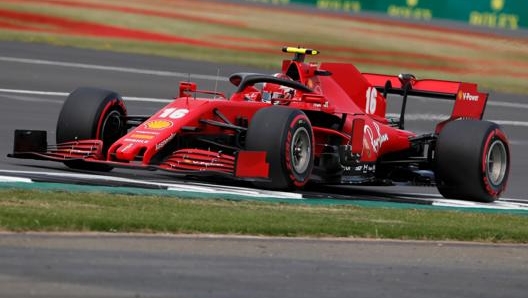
497 5
412 3
158 124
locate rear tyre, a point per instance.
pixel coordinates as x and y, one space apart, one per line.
286 135
472 161
91 113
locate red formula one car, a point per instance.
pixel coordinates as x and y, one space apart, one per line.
312 123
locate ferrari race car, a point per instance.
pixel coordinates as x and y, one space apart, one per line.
317 123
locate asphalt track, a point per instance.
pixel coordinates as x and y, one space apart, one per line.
95 265
33 82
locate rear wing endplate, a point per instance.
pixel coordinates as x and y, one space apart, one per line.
469 102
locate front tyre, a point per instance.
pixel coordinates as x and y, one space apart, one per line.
472 161
91 113
286 136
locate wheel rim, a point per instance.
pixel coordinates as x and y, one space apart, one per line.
496 162
111 129
301 150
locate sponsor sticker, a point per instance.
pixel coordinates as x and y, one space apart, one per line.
136 141
147 132
124 149
142 136
460 95
164 142
376 137
467 96
158 124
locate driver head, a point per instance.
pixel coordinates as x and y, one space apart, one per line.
273 93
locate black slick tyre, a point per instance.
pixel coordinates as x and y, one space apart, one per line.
472 161
91 113
287 137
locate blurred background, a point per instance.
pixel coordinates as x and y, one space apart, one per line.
483 41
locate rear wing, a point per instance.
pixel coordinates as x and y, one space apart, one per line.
469 102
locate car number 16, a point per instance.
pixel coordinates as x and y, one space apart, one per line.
174 113
372 94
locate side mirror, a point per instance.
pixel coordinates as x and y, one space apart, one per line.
235 79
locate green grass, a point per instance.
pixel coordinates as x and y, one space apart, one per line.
29 210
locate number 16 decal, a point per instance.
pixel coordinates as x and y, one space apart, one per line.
372 94
174 113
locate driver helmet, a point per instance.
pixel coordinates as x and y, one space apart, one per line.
273 93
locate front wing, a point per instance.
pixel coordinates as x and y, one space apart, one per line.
244 165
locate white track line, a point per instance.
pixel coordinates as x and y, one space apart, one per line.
47 93
14 179
160 73
173 186
502 205
506 104
31 92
